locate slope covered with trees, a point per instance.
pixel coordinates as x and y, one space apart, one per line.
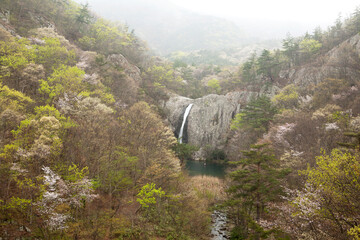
85 152
313 85
82 156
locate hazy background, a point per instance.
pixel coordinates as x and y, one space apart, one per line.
191 25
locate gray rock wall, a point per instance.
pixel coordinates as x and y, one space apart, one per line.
209 120
341 62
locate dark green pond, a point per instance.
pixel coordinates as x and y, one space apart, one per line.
196 168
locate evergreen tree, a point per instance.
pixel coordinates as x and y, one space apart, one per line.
249 69
291 48
254 184
352 145
266 63
257 114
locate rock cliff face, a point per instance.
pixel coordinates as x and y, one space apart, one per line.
341 62
209 119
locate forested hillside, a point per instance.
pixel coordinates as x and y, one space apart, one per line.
82 155
87 150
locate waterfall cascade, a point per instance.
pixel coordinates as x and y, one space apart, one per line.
186 114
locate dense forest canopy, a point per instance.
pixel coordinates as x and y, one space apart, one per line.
87 151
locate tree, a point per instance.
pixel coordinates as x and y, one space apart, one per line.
324 91
257 114
249 69
309 47
12 99
288 97
157 77
318 34
38 139
84 16
255 183
15 56
330 200
353 24
266 63
64 79
144 135
214 85
106 37
291 47
53 55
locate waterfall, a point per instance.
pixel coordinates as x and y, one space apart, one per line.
186 114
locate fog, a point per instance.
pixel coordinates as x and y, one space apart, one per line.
314 13
172 25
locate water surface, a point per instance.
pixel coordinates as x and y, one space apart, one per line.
203 168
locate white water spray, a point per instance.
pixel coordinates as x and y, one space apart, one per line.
186 114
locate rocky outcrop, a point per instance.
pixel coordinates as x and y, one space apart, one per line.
342 62
125 77
130 70
209 119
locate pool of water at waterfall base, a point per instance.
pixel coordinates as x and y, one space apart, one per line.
202 168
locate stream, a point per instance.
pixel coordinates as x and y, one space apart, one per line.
219 229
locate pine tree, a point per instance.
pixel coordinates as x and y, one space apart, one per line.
352 145
257 114
254 184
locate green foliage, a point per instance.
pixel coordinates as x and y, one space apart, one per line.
291 47
87 43
15 55
257 115
75 174
52 55
121 151
105 37
216 155
116 173
38 137
12 99
63 79
324 91
84 16
310 46
354 232
48 111
214 85
266 63
288 98
179 64
249 69
265 67
354 144
202 57
258 174
149 194
8 152
184 151
163 76
16 203
157 77
153 148
334 170
335 184
254 184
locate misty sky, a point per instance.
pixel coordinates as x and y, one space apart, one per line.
266 19
318 12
